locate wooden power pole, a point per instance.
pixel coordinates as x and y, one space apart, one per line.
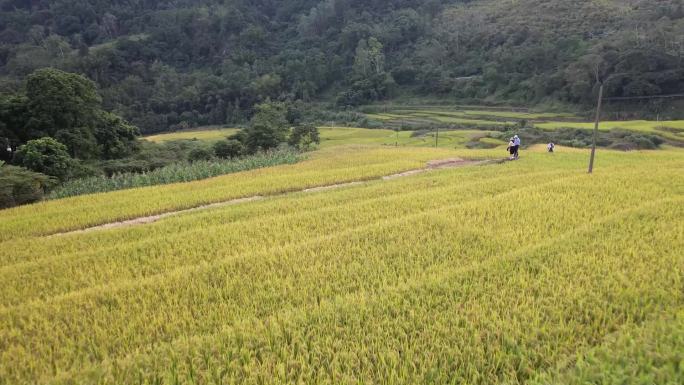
596 128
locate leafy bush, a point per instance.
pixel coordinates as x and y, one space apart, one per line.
20 186
304 137
226 149
199 154
178 172
420 133
47 156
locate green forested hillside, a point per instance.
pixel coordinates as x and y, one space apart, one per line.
168 64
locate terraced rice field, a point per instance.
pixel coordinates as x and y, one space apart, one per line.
335 136
484 114
417 118
476 118
523 272
323 168
483 119
673 129
207 134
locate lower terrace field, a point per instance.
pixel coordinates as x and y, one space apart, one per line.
335 136
497 118
522 272
673 129
474 126
207 134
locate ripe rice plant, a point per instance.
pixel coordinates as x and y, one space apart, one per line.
338 165
651 352
511 273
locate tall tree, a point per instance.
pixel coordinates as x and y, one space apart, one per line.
268 128
64 106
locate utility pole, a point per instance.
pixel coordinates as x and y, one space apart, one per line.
437 137
596 127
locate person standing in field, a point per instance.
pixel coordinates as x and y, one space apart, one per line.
511 148
516 145
551 147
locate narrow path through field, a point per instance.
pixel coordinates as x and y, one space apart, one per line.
432 165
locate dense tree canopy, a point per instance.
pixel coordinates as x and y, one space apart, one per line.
268 128
68 108
171 64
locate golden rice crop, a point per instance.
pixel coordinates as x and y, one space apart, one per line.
490 274
326 167
206 134
652 352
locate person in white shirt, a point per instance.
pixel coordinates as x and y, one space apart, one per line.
516 145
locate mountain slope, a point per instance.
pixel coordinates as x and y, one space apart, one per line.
172 63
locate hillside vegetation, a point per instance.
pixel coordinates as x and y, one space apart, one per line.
180 64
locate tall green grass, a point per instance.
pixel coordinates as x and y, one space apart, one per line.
175 173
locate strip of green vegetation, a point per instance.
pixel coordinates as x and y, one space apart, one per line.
636 125
381 117
476 118
175 173
437 117
489 114
454 120
520 115
673 129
